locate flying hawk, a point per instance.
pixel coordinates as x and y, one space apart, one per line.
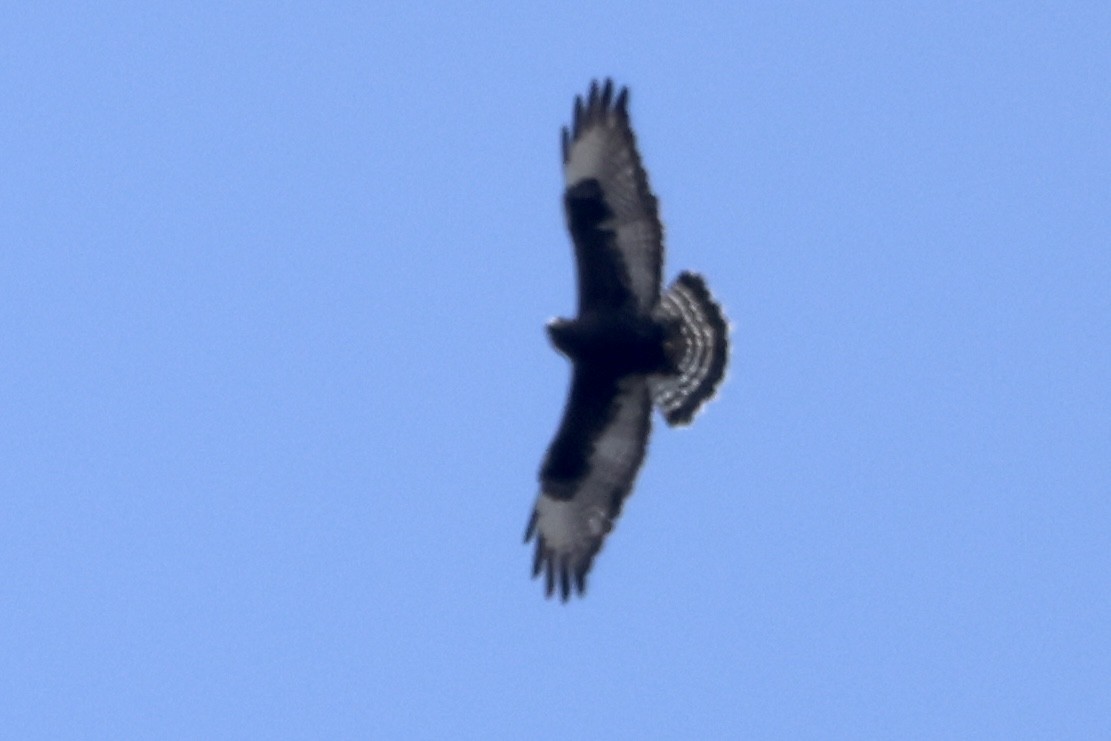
630 345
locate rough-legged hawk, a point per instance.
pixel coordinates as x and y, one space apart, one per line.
630 345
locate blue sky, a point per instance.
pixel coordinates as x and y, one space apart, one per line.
276 389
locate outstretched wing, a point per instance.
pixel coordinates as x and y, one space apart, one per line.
587 474
611 212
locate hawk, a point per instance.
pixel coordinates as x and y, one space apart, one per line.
632 344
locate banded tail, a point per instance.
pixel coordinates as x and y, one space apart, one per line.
699 347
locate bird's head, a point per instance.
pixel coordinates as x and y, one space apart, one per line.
562 334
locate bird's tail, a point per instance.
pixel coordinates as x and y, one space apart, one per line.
698 345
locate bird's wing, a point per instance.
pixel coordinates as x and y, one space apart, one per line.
588 472
611 212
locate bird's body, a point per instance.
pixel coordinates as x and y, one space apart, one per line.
617 344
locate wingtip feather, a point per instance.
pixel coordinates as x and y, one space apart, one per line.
538 558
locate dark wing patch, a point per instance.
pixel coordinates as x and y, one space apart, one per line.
603 273
611 212
589 471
